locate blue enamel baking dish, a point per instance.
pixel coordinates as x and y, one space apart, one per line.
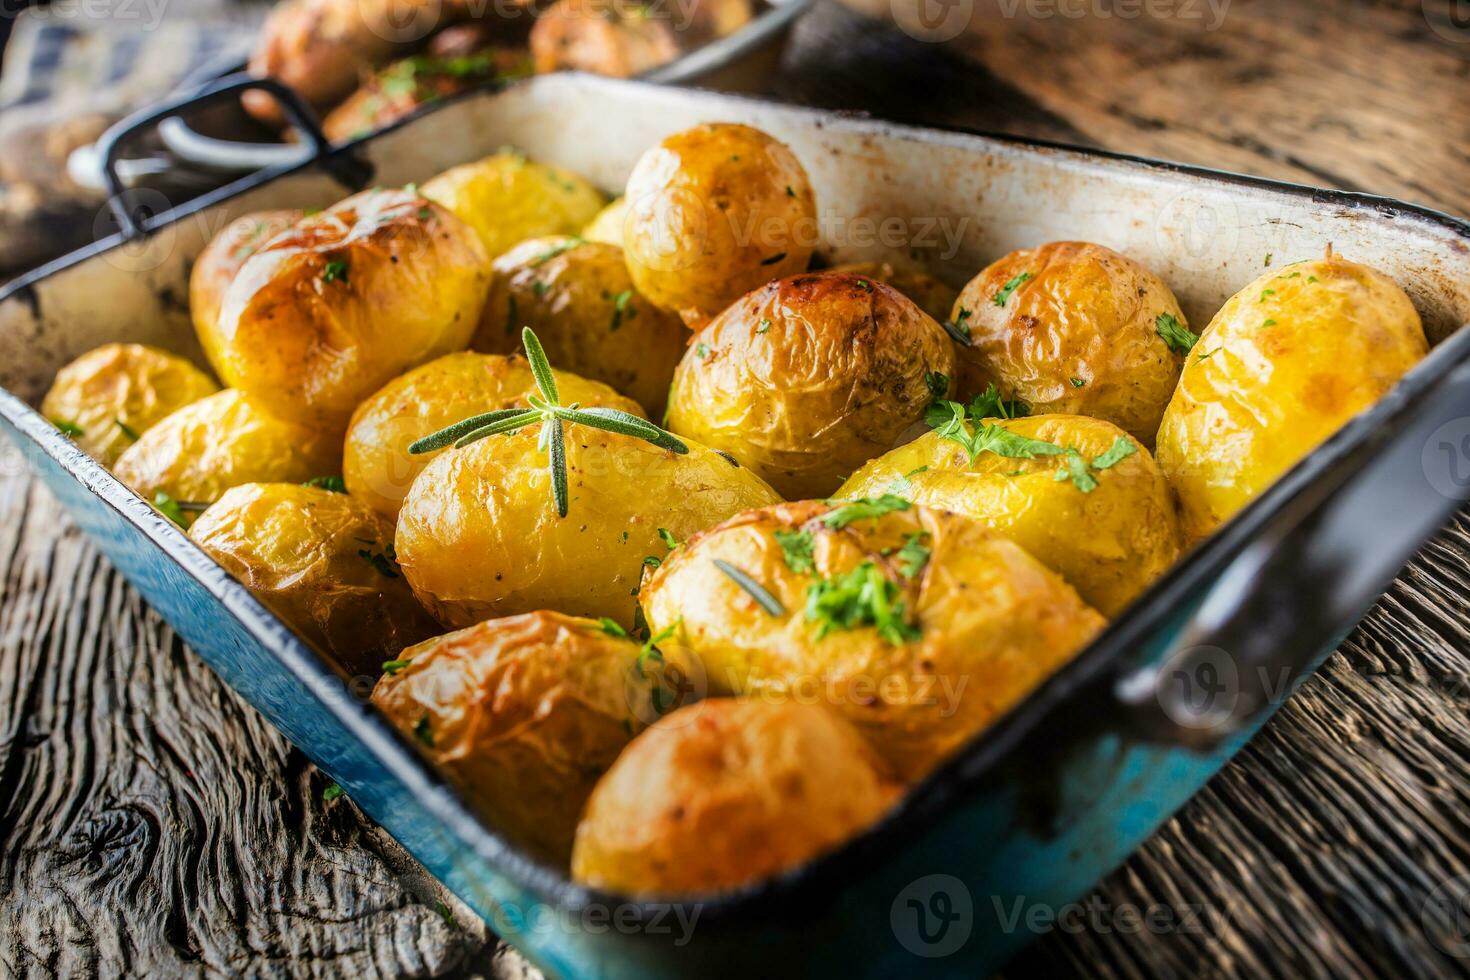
1035 811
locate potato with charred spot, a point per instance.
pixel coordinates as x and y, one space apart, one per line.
920 626
323 562
524 714
807 378
928 293
724 793
1285 363
714 212
347 299
377 465
220 262
507 198
1110 532
109 396
479 536
579 299
1073 328
219 442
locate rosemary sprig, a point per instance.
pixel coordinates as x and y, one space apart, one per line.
546 409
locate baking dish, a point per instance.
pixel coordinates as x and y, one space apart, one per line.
1062 789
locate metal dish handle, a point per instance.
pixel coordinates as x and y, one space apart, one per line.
1313 570
346 168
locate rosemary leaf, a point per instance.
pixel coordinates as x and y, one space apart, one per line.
754 589
558 466
446 436
540 366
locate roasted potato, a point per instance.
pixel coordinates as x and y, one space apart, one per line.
1072 328
578 298
726 792
109 396
714 212
1281 367
220 262
376 463
525 713
920 626
219 442
807 378
479 537
928 293
508 198
347 299
1109 533
607 225
608 37
323 562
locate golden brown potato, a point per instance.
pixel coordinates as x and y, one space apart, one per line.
204 448
920 626
376 463
808 378
607 225
508 198
1281 367
608 37
928 293
1072 328
321 561
333 308
525 713
219 263
109 396
727 792
1109 533
578 298
714 212
479 537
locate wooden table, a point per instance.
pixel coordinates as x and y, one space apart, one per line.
151 823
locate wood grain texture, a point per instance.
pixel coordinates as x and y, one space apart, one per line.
150 822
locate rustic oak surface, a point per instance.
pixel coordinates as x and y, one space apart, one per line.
151 823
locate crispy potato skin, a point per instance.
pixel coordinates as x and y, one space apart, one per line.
119 385
222 441
479 537
607 225
993 623
1281 367
714 212
347 299
927 293
726 792
807 378
376 463
219 263
1109 544
1087 313
507 198
305 553
524 714
579 299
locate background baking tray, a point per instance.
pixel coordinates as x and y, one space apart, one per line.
1061 789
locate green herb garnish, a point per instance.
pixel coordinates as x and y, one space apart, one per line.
773 259
989 405
333 483
553 417
385 562
863 509
69 429
754 589
621 310
170 508
612 628
796 548
125 429
1118 452
957 329
1268 323
861 597
1181 339
1077 382
335 270
1074 468
938 383
331 793
701 350
667 537
391 667
913 556
556 250
1005 291
765 325
423 733
952 419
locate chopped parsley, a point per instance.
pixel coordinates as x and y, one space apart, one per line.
333 483
796 548
391 667
1268 259
701 350
754 589
1207 354
938 383
69 429
902 485
913 556
951 424
611 628
334 270
1268 323
1077 382
652 561
125 429
858 598
1265 293
621 309
865 286
556 250
650 651
385 561
789 191
765 325
667 537
423 733
1074 468
170 508
986 405
1180 338
538 289
446 914
863 509
957 328
1005 291
331 793
1119 451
